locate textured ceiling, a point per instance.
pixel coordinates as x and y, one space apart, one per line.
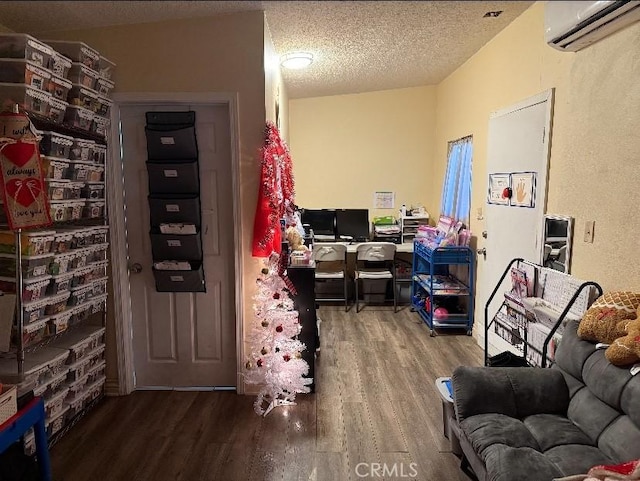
358 46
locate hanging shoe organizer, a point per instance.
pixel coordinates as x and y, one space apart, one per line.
174 201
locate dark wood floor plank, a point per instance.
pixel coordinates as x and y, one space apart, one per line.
375 405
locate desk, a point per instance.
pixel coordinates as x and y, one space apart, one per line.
406 248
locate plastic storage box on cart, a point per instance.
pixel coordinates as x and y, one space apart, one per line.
33 289
55 168
33 311
94 190
60 64
20 45
94 390
39 366
59 322
57 110
54 144
81 294
102 106
96 173
33 243
104 87
57 304
99 286
59 87
100 125
82 257
96 371
62 242
79 117
55 404
94 209
82 96
101 234
29 98
82 150
57 190
60 283
61 263
35 331
82 75
52 385
8 402
55 424
107 68
80 341
77 51
21 71
32 266
80 170
99 153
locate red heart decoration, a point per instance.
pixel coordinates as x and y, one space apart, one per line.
24 191
19 153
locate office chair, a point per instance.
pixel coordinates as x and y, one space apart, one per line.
374 261
331 264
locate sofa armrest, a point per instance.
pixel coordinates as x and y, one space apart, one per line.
514 391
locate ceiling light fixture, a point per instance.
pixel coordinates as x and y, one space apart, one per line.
296 60
494 14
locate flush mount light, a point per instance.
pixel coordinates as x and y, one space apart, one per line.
296 60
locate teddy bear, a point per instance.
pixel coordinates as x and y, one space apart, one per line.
626 349
607 317
296 243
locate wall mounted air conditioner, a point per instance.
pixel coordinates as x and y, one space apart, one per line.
572 26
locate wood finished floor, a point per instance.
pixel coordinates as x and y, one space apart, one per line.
375 403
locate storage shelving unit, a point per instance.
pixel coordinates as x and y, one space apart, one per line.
443 276
59 275
532 325
409 226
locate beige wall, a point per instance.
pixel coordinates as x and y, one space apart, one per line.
4 29
218 54
346 147
595 145
275 93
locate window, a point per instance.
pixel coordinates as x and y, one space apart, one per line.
456 191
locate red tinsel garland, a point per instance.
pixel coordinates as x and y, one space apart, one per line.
276 194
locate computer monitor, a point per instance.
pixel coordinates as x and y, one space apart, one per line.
353 224
321 221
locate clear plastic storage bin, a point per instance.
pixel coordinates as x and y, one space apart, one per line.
82 276
107 68
21 71
82 96
52 385
77 51
80 295
57 110
102 106
82 150
59 87
55 168
100 125
104 86
54 144
60 64
82 257
33 311
94 191
33 243
100 234
32 266
54 405
99 153
33 289
29 98
59 323
80 171
94 390
82 75
34 332
94 210
58 190
55 424
20 45
78 369
61 263
62 242
59 284
57 303
96 372
79 117
96 173
75 209
80 313
99 287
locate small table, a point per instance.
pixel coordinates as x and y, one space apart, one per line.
443 385
17 425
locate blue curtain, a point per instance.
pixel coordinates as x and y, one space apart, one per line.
456 191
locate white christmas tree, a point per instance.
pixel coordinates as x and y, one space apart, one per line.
275 359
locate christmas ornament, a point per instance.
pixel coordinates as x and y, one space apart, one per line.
279 329
276 295
264 351
259 362
265 271
265 323
286 357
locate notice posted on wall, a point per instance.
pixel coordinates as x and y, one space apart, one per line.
497 184
384 200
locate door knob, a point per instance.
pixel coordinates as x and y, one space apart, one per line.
482 252
135 268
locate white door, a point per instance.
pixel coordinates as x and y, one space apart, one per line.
518 142
183 339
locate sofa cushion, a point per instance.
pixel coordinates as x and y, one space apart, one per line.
506 463
590 414
551 430
621 440
575 458
604 379
484 430
629 399
572 351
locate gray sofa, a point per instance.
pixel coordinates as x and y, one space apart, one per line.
533 424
